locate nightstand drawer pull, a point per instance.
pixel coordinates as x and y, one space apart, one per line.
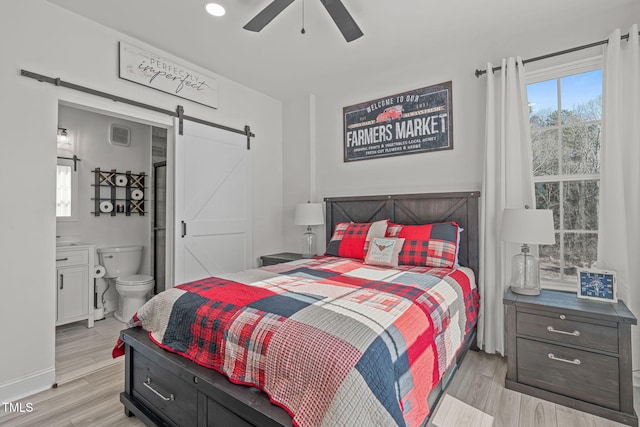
147 384
557 331
553 357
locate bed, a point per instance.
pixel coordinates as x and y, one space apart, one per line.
355 372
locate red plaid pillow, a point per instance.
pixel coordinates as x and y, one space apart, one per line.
352 239
430 245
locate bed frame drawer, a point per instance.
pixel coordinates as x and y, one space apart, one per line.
172 396
202 397
583 375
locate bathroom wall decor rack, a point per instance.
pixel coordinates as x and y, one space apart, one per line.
125 192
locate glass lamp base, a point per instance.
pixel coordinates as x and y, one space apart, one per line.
525 291
308 244
525 274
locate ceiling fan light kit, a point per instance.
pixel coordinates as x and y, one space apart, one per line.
214 9
338 12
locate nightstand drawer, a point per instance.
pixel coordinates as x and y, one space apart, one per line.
586 376
568 331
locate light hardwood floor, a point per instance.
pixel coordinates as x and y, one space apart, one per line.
81 350
480 384
90 397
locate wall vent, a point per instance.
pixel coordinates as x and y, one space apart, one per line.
120 135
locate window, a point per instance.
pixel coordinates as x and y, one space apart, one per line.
565 116
66 191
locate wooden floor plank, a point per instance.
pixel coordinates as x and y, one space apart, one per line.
503 405
474 385
89 401
81 350
536 412
453 412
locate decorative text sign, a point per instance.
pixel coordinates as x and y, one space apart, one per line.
153 70
411 122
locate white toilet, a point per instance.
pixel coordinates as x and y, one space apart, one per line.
122 263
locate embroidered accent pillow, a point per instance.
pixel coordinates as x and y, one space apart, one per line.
352 239
429 245
384 252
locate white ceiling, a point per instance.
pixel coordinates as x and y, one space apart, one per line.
281 62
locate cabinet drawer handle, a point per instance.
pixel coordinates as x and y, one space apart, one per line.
147 384
553 357
62 259
61 281
107 256
554 330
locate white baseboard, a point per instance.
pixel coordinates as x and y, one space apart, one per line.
19 388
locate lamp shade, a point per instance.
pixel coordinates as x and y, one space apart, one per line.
309 214
534 226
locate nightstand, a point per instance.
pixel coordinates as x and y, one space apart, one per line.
279 258
571 351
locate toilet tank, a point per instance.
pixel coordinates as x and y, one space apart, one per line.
120 260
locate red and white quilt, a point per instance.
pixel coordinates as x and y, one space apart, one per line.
331 340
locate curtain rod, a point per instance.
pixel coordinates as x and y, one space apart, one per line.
478 73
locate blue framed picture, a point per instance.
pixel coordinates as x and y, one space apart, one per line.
598 285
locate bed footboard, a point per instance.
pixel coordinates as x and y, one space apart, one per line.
162 388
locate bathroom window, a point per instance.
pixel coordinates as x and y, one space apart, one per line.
66 191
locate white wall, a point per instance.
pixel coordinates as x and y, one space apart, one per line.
89 135
40 37
459 169
298 157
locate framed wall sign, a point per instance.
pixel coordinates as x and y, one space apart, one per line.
599 285
154 70
411 122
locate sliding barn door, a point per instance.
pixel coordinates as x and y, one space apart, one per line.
212 202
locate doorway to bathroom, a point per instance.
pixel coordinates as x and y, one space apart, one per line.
120 146
215 207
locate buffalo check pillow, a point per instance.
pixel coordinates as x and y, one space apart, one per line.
384 252
352 239
429 245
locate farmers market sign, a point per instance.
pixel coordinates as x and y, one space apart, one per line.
411 122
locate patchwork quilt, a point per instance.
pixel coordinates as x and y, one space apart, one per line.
331 340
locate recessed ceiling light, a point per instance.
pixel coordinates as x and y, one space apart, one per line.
214 9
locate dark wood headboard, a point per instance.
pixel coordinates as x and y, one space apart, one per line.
414 209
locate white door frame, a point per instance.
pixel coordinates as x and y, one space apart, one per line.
89 102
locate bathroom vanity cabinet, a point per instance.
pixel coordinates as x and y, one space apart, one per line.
74 284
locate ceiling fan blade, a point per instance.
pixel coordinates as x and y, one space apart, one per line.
343 19
267 15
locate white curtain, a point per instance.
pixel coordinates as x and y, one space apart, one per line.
619 210
507 183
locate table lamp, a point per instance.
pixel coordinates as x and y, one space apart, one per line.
309 214
527 226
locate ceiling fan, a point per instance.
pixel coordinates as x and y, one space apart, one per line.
336 9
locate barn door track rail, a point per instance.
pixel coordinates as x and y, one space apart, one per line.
179 113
